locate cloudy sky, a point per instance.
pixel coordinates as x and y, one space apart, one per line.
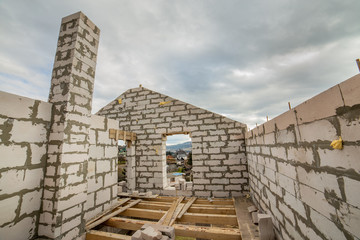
242 59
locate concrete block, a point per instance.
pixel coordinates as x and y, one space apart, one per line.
136 235
252 209
14 106
344 159
8 209
350 89
31 202
102 196
351 188
28 132
24 228
12 156
165 230
254 217
301 154
326 226
321 106
319 130
266 227
150 233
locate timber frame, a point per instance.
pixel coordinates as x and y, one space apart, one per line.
191 217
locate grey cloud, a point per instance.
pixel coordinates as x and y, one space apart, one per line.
239 58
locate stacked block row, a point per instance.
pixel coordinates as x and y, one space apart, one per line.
218 151
309 188
102 167
24 130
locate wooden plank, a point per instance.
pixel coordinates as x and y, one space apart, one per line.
209 219
119 203
243 219
229 211
126 223
167 218
162 207
143 213
214 202
97 235
186 207
214 233
123 194
180 230
177 212
112 214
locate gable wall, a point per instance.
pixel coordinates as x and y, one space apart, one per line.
219 163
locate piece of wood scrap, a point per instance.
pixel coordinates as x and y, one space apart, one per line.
165 220
187 206
177 211
119 203
112 214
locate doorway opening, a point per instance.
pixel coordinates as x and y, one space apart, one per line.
178 171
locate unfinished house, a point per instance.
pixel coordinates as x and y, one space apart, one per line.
296 176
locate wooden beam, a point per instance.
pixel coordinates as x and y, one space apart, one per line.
186 207
214 233
209 219
215 202
143 213
229 211
126 223
162 207
119 203
97 235
180 230
112 214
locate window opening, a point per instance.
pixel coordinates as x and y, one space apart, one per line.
179 162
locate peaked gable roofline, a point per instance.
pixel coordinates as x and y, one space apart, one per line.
122 100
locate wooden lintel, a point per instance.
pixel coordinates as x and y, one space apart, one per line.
180 230
96 235
122 135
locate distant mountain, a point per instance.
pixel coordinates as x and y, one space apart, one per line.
186 146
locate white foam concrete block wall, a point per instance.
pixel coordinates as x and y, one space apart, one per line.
218 146
24 130
102 167
310 189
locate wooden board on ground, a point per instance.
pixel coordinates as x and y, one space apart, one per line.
123 194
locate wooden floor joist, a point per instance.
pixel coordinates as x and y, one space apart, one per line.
180 229
96 235
228 218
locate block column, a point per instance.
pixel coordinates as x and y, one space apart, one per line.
72 84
